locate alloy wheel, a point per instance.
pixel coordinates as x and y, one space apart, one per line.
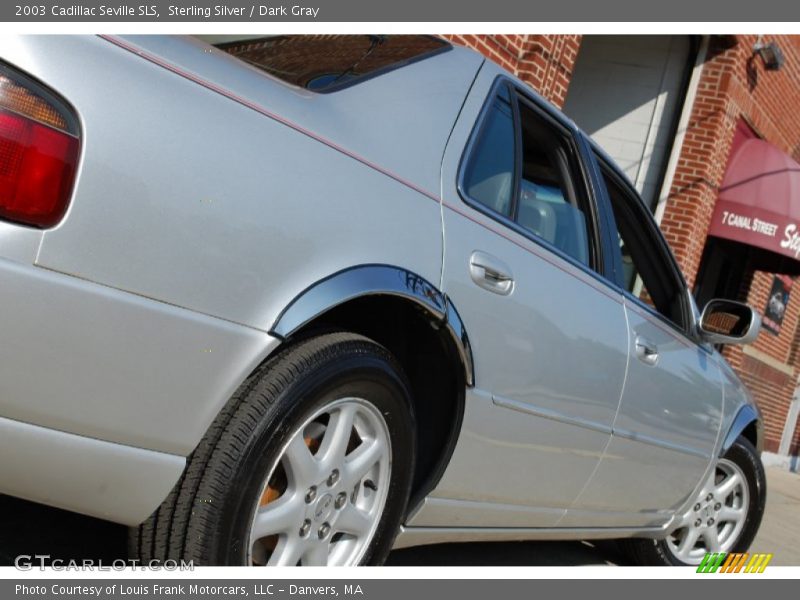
714 521
323 499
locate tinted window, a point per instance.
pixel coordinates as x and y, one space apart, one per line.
326 62
489 177
547 204
647 271
530 181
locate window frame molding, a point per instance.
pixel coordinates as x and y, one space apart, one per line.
606 167
586 199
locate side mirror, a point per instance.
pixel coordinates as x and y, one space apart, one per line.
729 322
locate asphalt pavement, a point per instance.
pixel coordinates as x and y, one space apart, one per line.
27 528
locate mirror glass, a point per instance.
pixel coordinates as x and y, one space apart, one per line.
728 318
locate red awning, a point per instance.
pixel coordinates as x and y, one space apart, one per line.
759 202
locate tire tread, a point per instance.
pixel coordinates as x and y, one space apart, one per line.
184 526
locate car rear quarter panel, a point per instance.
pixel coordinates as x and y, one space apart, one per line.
191 198
220 191
208 197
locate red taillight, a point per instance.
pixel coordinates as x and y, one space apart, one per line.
38 153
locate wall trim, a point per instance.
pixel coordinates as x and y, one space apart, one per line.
768 360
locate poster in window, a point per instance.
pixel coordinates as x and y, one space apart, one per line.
777 301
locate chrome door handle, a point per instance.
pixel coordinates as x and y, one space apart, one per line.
490 273
646 351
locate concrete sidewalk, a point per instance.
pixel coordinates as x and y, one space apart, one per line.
780 529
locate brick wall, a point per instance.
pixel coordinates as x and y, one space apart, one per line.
773 391
543 61
734 85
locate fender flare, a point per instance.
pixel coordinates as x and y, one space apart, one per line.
747 414
376 280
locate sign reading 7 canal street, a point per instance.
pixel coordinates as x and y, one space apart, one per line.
734 562
756 226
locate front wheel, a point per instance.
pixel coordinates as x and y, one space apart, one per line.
310 464
724 517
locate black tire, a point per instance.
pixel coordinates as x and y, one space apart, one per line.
651 552
207 516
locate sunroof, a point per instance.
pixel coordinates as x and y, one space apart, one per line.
324 63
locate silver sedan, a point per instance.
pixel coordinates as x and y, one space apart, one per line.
303 299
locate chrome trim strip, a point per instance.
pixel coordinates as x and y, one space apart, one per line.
376 280
458 332
646 439
552 415
419 536
353 283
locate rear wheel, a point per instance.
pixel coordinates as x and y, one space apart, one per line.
322 502
309 464
724 517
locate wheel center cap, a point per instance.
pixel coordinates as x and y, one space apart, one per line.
323 508
707 511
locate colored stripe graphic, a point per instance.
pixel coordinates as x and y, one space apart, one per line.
734 562
727 566
711 562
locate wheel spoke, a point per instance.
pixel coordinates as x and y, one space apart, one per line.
287 552
316 554
685 520
337 435
280 516
711 538
361 460
354 521
301 465
341 548
688 542
727 485
729 514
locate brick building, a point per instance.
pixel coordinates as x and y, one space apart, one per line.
692 119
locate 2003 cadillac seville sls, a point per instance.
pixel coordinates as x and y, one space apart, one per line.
300 300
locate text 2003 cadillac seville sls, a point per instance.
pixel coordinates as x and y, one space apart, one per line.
300 300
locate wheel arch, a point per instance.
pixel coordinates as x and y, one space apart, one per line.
747 423
376 280
419 325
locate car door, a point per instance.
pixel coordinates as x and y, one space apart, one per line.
669 419
549 339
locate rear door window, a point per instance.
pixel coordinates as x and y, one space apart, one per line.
489 176
523 169
548 204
